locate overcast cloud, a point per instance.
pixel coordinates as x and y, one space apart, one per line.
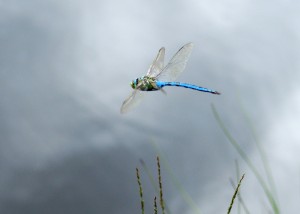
64 73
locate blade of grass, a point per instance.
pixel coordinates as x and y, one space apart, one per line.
150 176
140 190
247 160
161 198
155 206
261 151
235 194
184 194
241 201
152 180
237 170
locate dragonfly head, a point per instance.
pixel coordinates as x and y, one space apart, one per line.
134 83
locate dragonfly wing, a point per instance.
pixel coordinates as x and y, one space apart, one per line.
132 101
177 64
158 64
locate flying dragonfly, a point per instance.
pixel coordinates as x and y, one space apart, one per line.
159 76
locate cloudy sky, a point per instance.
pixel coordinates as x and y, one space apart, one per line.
65 68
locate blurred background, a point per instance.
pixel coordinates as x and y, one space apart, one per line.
65 68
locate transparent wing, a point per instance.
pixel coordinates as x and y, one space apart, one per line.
177 64
158 64
132 101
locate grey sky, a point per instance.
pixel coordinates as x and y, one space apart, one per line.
65 69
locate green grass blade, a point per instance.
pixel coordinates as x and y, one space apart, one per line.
235 194
184 194
161 198
150 176
155 206
261 151
241 201
237 170
247 160
152 180
140 190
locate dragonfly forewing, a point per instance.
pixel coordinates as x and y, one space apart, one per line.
177 64
158 64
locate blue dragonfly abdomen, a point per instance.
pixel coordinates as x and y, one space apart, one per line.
161 84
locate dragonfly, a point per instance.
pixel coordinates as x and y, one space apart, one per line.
159 76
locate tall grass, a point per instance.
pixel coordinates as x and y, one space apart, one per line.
241 205
235 194
160 191
267 183
140 190
267 186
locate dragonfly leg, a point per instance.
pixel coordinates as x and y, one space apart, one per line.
163 91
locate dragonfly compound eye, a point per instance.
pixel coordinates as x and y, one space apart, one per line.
134 83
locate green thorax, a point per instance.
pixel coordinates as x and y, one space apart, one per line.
144 83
